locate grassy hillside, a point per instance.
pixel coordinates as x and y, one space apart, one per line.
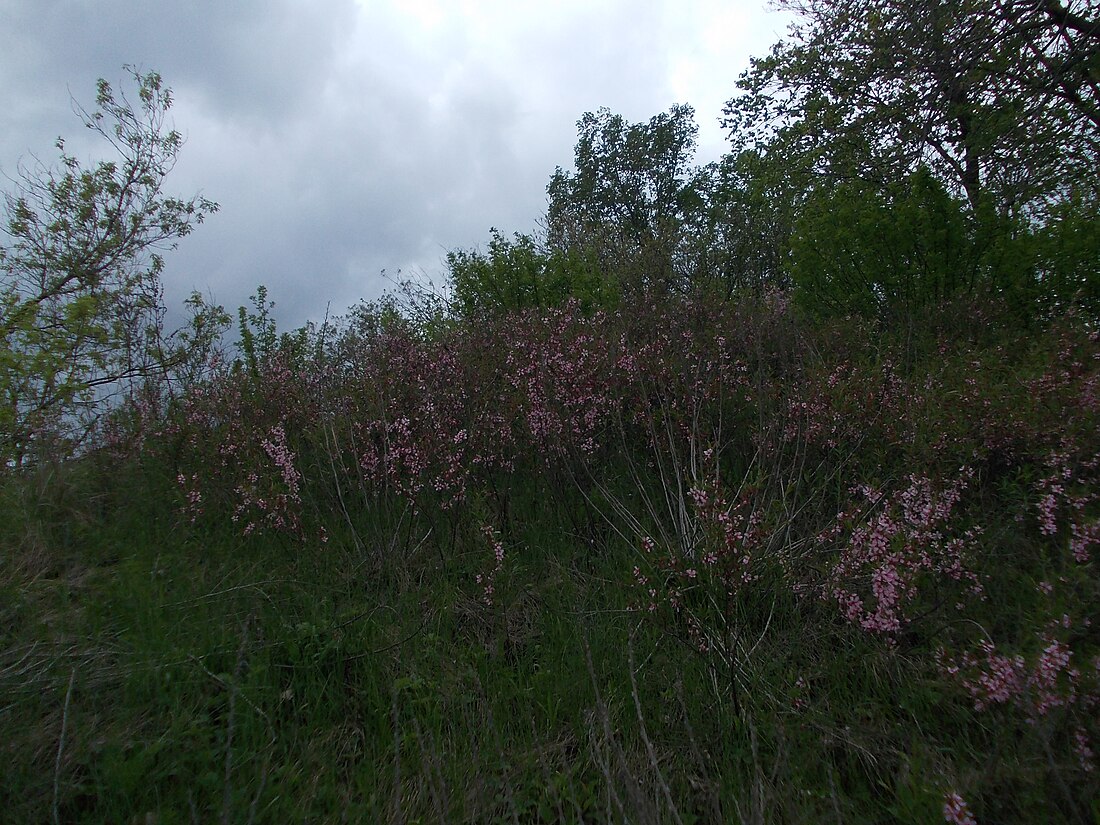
694 562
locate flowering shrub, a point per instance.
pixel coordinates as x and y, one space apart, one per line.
238 452
559 367
742 454
486 579
409 406
905 539
722 553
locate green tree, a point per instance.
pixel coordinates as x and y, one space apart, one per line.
743 236
998 97
1058 45
896 254
1066 252
522 274
81 307
633 198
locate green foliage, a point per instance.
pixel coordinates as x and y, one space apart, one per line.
998 98
915 153
1067 255
191 350
259 340
898 254
890 255
80 296
518 274
635 193
257 331
742 239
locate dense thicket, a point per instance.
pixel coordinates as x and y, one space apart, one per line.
804 443
749 481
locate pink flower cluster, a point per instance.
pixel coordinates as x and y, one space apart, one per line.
487 579
956 811
731 536
1068 493
563 379
991 677
238 437
898 541
1047 682
193 507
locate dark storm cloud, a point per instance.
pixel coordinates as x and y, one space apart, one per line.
370 175
247 57
248 70
344 138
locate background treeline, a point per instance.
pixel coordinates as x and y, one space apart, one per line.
886 157
765 490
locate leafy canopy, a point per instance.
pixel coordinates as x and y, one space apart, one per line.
81 310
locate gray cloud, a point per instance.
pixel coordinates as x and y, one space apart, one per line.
343 138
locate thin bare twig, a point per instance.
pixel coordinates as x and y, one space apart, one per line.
61 748
601 711
645 736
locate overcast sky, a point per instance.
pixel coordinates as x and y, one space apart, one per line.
347 137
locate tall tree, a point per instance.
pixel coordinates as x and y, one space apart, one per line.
998 97
1060 50
633 194
81 308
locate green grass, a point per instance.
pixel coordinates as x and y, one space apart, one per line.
152 671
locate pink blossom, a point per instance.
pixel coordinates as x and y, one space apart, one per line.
956 811
1083 749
